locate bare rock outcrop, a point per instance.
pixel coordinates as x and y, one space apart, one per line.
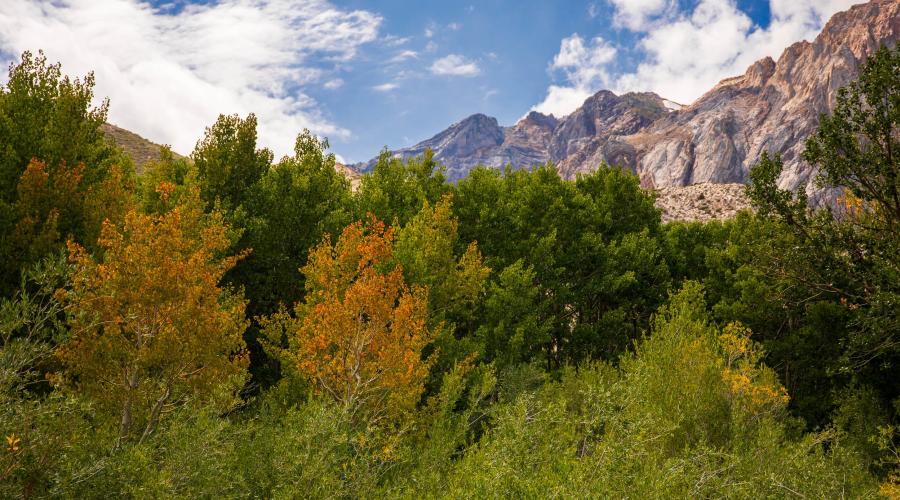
701 202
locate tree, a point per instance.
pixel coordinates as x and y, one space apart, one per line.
510 328
396 189
359 334
847 253
150 327
857 147
35 423
228 162
591 246
821 285
285 214
288 211
166 182
58 176
47 116
426 248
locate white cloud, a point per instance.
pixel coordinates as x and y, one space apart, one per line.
638 14
168 75
334 84
683 54
560 101
454 26
403 56
584 66
385 87
455 65
396 41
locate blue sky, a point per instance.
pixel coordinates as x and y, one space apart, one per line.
369 74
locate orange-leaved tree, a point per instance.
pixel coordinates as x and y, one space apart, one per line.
359 334
150 326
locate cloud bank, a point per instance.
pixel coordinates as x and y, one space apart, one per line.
169 73
683 54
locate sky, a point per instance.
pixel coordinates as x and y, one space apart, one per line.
390 73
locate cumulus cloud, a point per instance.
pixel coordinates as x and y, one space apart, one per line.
584 67
685 53
455 65
169 73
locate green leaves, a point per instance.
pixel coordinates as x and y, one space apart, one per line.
228 162
55 165
396 189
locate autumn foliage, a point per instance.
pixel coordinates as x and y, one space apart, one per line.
359 335
150 325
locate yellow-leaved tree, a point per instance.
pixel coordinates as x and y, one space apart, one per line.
359 334
151 328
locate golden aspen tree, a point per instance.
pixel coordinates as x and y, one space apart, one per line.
150 326
359 335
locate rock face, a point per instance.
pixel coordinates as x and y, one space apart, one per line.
352 175
587 135
593 133
774 106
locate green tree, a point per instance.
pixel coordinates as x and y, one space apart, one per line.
57 173
290 208
591 246
228 161
395 190
48 116
426 248
844 257
511 328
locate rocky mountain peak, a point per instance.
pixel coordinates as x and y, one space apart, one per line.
538 119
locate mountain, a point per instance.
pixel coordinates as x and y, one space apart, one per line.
480 140
538 138
141 150
772 107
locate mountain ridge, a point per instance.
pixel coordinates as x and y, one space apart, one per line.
772 107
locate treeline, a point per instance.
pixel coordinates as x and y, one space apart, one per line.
232 325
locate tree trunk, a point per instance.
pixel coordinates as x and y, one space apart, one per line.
154 414
125 424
